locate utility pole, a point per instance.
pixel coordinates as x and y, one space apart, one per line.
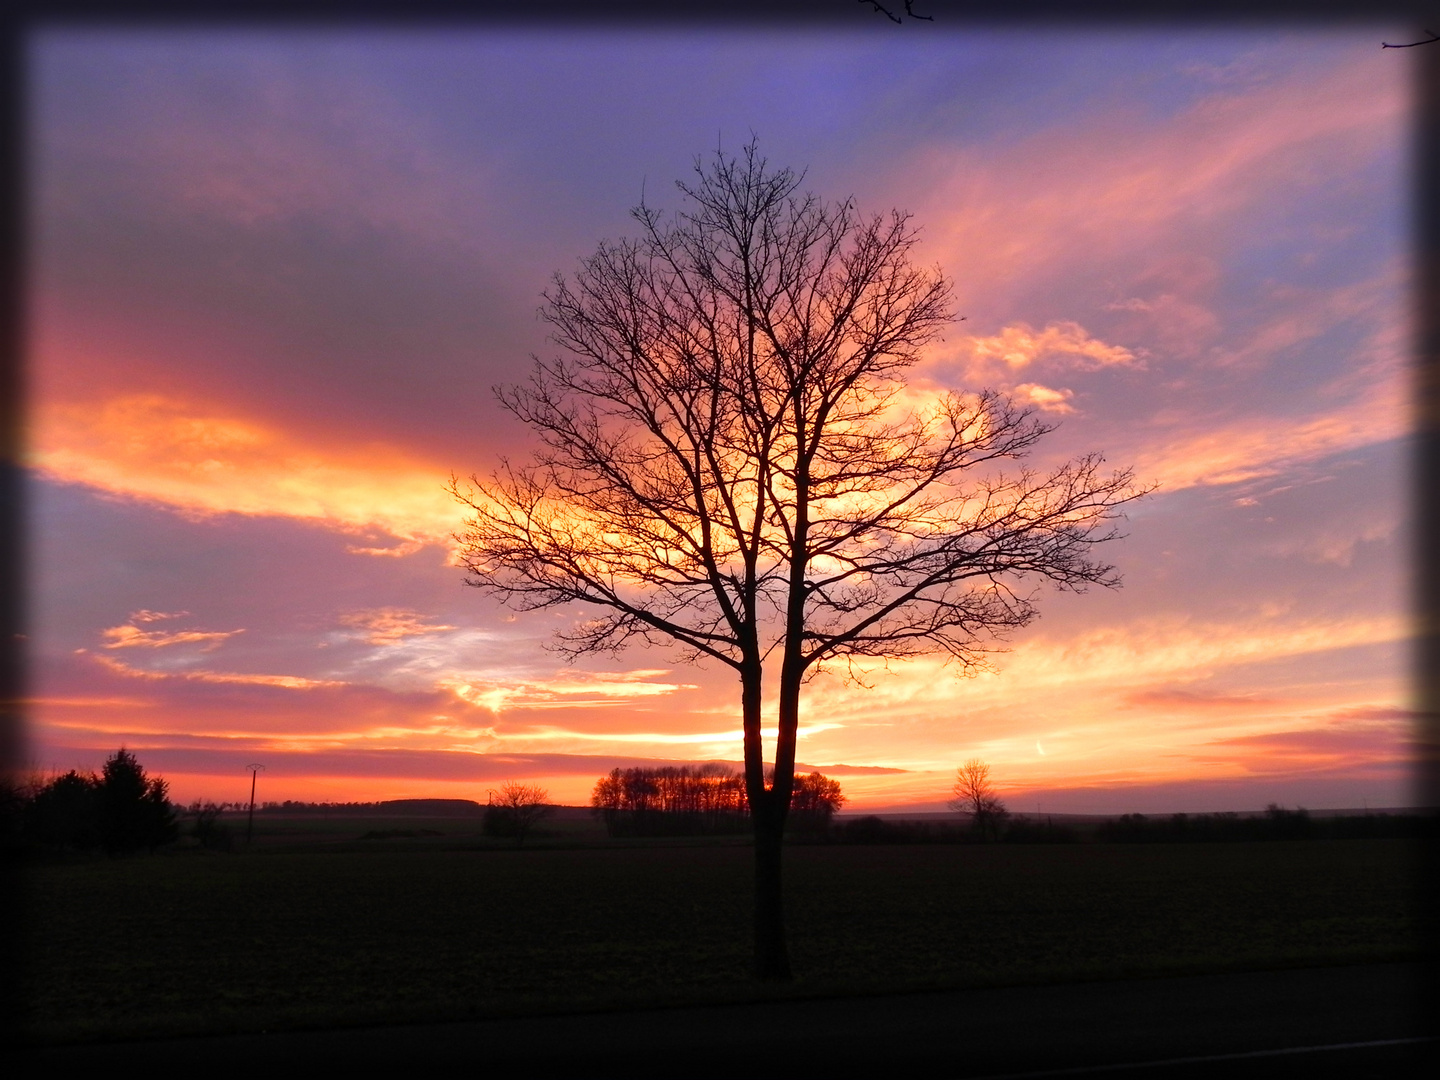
250 825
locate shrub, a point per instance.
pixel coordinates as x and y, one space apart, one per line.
208 828
65 812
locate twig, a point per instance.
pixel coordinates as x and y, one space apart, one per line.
1384 44
909 10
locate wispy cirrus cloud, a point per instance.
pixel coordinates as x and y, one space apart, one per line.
571 688
1127 185
1175 697
1255 447
288 682
1379 714
130 637
386 626
1124 657
1349 748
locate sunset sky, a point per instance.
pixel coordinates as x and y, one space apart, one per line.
275 275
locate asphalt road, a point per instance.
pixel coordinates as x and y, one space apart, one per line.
1356 1022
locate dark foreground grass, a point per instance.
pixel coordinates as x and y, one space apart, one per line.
202 943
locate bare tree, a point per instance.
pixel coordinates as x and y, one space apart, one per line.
516 810
975 795
727 466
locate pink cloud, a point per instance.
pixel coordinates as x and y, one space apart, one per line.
385 626
288 682
1195 699
1078 196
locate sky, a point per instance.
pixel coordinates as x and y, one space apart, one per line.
274 277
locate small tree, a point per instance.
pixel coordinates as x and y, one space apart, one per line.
975 795
208 828
133 809
516 811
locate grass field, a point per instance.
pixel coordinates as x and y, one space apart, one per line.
293 935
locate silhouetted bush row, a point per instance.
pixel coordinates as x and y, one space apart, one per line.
118 811
1276 823
701 800
387 807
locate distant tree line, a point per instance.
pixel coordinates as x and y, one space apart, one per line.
118 811
1277 823
387 807
701 800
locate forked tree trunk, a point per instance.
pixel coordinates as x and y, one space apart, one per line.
772 957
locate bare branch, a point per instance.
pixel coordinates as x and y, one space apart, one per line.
909 10
1434 37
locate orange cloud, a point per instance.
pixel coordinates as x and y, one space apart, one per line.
571 688
145 615
1114 657
1019 346
385 626
127 637
1057 401
200 462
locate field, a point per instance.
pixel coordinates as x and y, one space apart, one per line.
305 930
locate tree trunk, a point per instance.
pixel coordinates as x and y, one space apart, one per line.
772 958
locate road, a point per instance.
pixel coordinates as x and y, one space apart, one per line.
1355 1022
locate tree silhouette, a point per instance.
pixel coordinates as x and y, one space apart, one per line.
727 466
814 801
975 795
64 812
121 810
670 800
209 828
133 809
516 811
